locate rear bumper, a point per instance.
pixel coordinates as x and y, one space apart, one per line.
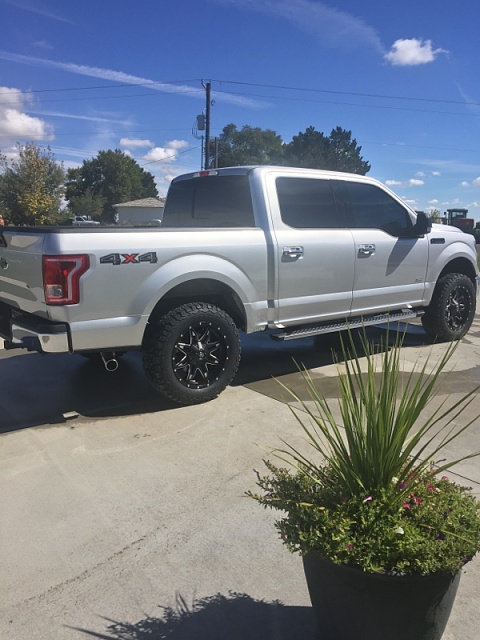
27 331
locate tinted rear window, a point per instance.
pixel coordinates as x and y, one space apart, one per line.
212 201
307 203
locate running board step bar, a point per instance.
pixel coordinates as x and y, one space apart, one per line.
353 323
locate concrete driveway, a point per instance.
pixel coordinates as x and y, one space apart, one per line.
123 517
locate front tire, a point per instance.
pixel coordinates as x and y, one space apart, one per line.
452 308
191 353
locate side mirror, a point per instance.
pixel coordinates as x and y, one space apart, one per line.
423 224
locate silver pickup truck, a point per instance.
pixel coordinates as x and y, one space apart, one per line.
298 252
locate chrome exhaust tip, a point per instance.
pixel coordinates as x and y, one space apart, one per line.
110 364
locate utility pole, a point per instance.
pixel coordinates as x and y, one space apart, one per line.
207 87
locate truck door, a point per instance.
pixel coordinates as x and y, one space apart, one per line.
390 261
314 251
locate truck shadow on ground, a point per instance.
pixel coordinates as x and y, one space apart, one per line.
236 617
39 389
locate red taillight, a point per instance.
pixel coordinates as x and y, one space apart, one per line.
204 174
61 276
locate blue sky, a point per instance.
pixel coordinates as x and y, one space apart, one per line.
403 77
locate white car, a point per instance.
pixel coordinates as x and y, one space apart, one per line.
83 221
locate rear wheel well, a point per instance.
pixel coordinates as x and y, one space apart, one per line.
203 290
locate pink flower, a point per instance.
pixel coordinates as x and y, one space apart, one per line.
350 547
406 505
369 499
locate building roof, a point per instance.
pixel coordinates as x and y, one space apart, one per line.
143 202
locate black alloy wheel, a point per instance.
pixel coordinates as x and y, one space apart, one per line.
452 308
191 353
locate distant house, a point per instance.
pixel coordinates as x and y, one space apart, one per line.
145 210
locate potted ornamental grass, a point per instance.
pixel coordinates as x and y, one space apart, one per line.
383 529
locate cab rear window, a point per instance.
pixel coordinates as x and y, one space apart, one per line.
210 201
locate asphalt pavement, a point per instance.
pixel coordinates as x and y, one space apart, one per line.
124 517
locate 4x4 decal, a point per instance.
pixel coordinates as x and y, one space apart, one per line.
129 258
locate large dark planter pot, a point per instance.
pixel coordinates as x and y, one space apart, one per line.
350 604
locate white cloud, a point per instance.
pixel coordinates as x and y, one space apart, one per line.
157 154
436 173
168 177
434 201
464 184
127 78
413 182
74 116
411 52
177 144
331 26
420 174
15 123
476 182
43 44
133 143
30 6
168 153
471 103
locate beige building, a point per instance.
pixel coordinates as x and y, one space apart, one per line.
145 210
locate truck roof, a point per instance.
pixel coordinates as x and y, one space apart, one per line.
245 169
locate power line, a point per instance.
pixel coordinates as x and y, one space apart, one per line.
354 104
347 93
277 97
362 143
239 83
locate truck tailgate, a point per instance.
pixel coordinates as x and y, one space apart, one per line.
21 281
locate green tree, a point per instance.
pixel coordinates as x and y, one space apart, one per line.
109 178
436 216
309 150
249 145
337 152
344 153
31 187
86 203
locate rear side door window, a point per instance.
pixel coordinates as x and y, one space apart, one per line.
307 203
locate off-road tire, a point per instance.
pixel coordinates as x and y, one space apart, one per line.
452 308
191 353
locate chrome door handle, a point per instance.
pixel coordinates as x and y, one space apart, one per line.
292 252
366 249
